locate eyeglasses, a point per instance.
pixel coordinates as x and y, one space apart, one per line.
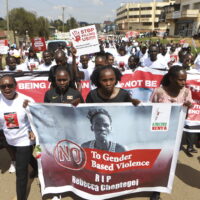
7 86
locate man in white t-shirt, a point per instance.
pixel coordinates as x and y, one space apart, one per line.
164 54
84 67
48 63
153 61
12 65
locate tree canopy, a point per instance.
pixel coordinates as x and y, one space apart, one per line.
22 21
71 23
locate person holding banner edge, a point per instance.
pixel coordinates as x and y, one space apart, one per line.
16 127
172 90
63 92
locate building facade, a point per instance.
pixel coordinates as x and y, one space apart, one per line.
141 16
184 18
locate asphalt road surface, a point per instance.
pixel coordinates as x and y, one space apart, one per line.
186 184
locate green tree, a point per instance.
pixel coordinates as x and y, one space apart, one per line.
2 24
58 24
71 24
43 27
22 21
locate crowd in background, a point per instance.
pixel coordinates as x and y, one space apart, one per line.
104 69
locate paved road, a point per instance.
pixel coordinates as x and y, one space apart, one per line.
186 183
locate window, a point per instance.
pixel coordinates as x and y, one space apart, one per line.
156 25
145 16
185 7
122 12
134 16
147 24
196 6
121 18
146 8
134 9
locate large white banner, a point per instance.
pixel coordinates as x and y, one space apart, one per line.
100 151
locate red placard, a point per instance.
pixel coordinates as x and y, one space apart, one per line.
38 44
3 42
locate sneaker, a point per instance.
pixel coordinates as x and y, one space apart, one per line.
56 197
191 150
12 168
155 196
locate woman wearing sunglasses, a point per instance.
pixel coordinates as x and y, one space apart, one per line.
15 125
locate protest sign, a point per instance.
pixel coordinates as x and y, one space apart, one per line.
193 118
4 46
97 153
38 44
85 40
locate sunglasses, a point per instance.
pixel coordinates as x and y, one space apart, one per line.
7 86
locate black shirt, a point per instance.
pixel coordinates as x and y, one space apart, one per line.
94 97
55 96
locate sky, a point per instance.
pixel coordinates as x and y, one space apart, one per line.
91 11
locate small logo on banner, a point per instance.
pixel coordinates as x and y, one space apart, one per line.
11 120
77 36
160 117
69 155
69 97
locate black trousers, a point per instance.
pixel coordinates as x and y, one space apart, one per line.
23 158
190 139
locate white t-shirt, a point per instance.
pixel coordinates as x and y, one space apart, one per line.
20 67
32 63
14 121
166 57
143 57
177 63
113 51
122 61
44 67
157 64
87 72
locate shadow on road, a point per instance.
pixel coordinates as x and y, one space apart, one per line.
188 175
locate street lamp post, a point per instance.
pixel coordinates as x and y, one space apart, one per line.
26 37
7 19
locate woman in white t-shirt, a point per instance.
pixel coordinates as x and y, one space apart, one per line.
122 59
32 61
16 127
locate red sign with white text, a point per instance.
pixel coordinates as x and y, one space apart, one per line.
39 44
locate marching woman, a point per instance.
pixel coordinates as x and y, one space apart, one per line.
64 91
105 78
32 61
16 127
172 90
